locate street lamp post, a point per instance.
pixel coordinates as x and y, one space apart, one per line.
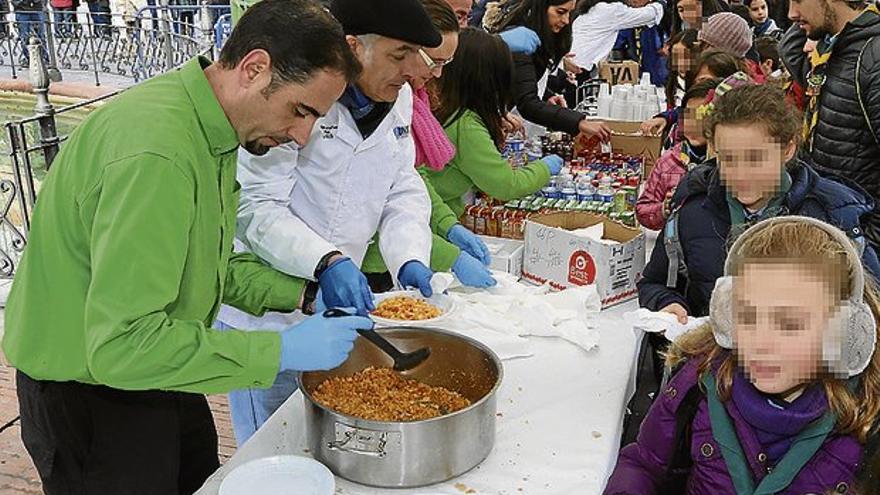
44 110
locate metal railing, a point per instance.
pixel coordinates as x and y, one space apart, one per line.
136 50
133 47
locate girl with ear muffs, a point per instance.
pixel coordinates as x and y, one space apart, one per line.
780 391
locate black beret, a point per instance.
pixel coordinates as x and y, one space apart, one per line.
404 20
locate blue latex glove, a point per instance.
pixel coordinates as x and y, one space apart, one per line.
320 306
320 342
521 40
466 240
471 272
554 163
344 286
415 274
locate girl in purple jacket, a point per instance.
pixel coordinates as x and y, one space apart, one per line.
780 392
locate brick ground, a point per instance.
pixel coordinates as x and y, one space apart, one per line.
17 473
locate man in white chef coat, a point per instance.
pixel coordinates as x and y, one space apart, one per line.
312 211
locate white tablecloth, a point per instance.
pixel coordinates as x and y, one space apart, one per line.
558 432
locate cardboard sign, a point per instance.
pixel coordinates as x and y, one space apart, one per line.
556 256
626 139
626 72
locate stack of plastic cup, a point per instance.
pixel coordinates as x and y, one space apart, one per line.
627 102
604 101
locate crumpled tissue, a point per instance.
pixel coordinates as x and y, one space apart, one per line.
661 322
516 310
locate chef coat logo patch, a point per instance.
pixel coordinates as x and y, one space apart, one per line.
328 131
581 268
401 132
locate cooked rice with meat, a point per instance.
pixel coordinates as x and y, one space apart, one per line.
406 308
382 394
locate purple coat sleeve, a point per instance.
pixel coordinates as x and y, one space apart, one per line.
641 466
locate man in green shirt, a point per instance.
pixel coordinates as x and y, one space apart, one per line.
130 257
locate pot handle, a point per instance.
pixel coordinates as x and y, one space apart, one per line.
372 447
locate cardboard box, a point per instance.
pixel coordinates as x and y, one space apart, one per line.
553 254
625 72
507 254
627 139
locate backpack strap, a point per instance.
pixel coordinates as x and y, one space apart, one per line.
679 468
859 91
674 251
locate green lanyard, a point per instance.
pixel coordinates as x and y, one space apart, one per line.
738 212
804 447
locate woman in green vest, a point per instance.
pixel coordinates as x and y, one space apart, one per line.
472 98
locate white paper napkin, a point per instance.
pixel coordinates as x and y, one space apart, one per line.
660 322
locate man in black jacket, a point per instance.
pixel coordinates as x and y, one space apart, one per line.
842 83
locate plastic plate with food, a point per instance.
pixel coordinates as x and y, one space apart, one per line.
410 307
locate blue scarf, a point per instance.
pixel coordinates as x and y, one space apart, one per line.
357 102
775 422
761 29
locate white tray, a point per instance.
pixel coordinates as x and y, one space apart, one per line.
280 475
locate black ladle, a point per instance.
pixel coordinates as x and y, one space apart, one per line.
402 360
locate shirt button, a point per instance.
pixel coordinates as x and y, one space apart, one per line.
762 458
671 392
707 450
841 488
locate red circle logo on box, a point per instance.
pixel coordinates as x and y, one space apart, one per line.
581 268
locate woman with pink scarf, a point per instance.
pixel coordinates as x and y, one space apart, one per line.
455 247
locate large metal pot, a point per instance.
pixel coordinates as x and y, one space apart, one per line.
418 453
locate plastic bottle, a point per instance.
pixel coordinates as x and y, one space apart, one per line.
550 191
585 189
569 190
606 193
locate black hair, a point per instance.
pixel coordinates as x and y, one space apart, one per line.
742 11
699 90
479 79
720 63
442 16
300 36
768 49
533 15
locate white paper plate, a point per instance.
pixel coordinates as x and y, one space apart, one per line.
445 303
279 475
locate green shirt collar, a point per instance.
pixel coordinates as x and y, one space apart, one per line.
218 131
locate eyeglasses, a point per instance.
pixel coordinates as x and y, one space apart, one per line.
433 65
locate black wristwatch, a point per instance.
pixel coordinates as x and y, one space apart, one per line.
325 263
309 296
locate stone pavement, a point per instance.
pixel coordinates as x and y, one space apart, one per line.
17 473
